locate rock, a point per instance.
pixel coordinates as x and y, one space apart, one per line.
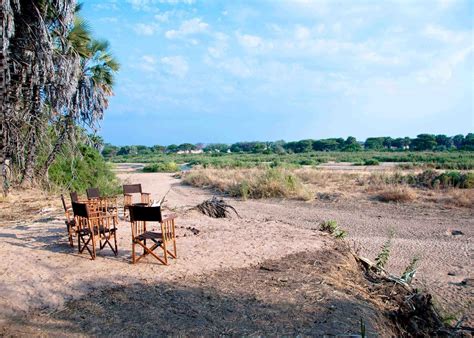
467 282
450 232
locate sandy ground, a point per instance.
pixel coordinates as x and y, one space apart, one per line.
40 272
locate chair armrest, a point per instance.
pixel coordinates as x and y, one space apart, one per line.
146 193
128 195
169 217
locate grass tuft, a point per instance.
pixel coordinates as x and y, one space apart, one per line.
396 194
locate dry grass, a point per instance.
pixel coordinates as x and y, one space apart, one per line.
250 183
396 194
308 183
459 198
26 205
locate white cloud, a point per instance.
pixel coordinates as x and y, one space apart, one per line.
163 17
443 34
446 4
443 70
237 67
147 5
302 33
148 63
188 27
220 45
249 41
175 65
146 29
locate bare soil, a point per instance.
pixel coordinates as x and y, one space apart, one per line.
255 275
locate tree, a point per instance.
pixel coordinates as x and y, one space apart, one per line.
302 146
374 143
47 85
109 150
186 147
458 141
468 143
444 141
172 148
351 144
217 147
424 142
158 149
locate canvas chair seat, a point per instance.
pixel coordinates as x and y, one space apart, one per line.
97 231
149 235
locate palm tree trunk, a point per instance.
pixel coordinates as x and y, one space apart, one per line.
60 141
32 146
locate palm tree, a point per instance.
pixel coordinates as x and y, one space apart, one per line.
27 67
91 97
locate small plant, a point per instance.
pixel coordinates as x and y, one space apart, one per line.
382 258
410 270
332 228
362 329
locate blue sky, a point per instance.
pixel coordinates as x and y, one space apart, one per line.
227 71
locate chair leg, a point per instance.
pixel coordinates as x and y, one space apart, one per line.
115 242
133 252
93 249
165 252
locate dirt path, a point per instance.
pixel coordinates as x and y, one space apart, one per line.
40 272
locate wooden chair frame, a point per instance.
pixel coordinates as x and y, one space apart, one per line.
94 225
128 191
140 216
70 222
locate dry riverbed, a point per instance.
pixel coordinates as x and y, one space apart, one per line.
45 285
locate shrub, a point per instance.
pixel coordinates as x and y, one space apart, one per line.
396 194
87 170
371 161
163 167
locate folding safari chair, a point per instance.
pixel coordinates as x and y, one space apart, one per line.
94 225
128 191
140 218
108 204
70 222
93 193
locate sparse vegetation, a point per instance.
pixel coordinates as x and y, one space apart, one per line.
396 194
453 160
250 183
382 258
410 270
332 228
162 167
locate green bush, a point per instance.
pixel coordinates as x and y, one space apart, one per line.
89 169
162 167
371 161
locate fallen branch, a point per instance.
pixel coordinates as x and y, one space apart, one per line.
216 208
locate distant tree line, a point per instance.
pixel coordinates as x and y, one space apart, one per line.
423 142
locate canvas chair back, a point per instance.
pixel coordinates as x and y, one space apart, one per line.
74 196
132 188
80 209
93 193
140 215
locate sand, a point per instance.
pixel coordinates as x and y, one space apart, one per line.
40 272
